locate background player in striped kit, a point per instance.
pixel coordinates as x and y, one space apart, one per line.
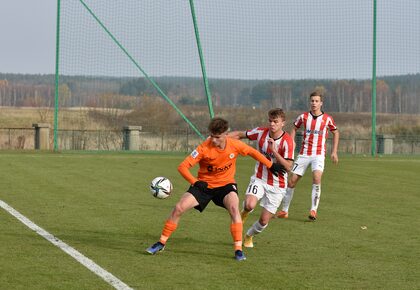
315 125
269 189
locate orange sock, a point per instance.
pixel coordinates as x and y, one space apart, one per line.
167 231
236 231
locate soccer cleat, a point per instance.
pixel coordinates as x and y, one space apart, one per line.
283 214
244 215
239 255
248 242
312 215
155 248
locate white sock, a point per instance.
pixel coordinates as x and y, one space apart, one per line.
316 195
256 228
287 199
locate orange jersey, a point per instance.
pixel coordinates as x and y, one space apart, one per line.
218 166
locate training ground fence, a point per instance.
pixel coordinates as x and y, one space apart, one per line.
160 62
176 139
364 55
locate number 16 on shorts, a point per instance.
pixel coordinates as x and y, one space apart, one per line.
256 189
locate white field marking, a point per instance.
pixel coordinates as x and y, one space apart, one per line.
88 263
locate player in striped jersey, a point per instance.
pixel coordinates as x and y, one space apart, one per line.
315 124
276 145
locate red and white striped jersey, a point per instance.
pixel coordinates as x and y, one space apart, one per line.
315 132
284 145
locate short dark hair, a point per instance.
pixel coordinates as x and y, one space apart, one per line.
218 126
316 93
277 113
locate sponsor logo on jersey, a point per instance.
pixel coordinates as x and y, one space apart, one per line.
316 132
219 169
194 154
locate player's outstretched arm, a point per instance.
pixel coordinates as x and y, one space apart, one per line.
254 153
274 167
237 135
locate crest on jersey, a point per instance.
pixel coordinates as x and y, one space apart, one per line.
231 155
194 154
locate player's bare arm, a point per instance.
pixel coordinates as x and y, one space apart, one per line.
287 164
334 155
292 134
237 134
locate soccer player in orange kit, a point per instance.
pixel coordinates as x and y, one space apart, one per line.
215 182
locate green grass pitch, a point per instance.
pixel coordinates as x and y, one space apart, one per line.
366 236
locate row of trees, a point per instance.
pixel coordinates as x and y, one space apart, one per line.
398 94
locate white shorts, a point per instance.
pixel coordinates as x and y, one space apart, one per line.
317 162
269 196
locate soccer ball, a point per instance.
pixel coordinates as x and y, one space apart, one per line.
161 187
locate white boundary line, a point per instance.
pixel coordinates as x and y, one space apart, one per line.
88 263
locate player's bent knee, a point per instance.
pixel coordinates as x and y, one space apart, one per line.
178 210
249 206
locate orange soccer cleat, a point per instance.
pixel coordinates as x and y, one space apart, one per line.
283 214
312 215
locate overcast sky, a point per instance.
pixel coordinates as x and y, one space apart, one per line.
252 41
27 36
